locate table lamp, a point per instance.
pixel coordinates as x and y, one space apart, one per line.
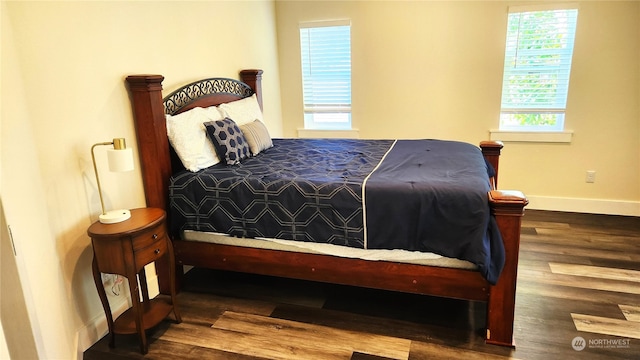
120 159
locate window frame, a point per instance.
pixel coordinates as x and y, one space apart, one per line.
565 64
317 115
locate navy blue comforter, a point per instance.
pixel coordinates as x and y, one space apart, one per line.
421 195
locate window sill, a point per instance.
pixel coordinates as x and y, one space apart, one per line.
335 134
532 136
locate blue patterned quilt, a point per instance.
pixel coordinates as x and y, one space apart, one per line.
420 195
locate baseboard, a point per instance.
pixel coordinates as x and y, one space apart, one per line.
580 205
97 328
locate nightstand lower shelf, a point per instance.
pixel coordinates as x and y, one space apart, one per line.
153 312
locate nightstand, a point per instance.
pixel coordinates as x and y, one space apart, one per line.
125 248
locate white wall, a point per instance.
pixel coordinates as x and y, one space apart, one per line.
433 69
23 201
63 70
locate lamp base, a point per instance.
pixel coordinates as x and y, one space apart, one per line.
114 216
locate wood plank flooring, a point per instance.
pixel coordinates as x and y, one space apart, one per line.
578 297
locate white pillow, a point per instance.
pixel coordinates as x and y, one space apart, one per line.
242 111
188 136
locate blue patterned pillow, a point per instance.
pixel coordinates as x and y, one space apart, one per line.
228 140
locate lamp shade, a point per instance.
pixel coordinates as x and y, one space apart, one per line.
120 159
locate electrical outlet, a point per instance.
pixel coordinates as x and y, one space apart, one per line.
591 176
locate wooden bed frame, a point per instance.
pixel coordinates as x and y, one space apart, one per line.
155 159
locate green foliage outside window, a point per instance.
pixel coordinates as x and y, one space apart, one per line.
535 119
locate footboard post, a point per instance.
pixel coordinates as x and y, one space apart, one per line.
508 208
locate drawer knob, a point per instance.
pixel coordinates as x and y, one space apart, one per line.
155 236
157 251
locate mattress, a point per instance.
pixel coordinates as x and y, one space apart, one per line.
393 255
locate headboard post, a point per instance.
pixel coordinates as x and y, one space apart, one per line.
151 132
253 78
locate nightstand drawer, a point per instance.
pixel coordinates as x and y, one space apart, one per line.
149 237
151 253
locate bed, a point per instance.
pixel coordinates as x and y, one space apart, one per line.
351 250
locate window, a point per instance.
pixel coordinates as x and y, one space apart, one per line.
537 66
326 74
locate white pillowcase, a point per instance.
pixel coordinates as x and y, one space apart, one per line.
242 111
188 136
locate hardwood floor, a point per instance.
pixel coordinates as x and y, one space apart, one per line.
578 284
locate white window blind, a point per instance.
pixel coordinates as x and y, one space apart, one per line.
326 74
537 68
